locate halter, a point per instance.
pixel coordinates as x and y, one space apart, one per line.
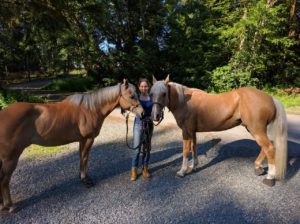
121 96
163 107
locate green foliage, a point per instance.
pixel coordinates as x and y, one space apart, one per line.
9 97
288 100
3 102
260 44
197 42
225 79
73 84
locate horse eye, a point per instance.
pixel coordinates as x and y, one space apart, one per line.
132 97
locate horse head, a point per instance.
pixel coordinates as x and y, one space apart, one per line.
129 99
160 93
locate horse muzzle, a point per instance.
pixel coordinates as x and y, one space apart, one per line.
137 110
156 115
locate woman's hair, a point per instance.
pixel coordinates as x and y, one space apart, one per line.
144 80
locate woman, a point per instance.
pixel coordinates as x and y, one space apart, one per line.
142 132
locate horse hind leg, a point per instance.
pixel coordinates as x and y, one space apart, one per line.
8 167
269 150
1 176
258 169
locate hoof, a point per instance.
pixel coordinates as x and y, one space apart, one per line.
179 174
87 181
190 169
269 182
9 209
259 171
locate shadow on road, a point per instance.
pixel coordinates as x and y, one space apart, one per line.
59 177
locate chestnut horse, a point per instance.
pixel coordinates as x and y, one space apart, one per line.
78 118
197 111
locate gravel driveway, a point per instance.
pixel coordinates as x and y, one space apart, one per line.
223 189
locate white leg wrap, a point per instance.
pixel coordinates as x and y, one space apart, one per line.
271 171
194 163
184 167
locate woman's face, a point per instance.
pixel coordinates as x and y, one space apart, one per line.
144 88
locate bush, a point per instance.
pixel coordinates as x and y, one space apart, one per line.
74 84
9 97
223 79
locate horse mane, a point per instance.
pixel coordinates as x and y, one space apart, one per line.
97 98
180 91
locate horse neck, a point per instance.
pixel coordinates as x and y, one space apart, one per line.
174 98
102 102
105 107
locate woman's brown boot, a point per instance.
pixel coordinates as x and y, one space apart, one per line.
133 174
145 172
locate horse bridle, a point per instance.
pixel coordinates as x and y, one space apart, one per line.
163 107
121 96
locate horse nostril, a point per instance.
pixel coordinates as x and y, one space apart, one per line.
157 117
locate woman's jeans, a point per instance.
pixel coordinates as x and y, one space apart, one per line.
137 135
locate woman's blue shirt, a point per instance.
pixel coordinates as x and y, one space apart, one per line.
147 105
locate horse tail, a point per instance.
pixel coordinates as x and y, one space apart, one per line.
277 130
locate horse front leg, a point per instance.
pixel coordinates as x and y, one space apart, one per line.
194 152
84 149
185 155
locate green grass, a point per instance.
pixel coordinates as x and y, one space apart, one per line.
34 151
77 72
290 102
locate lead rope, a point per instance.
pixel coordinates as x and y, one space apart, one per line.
131 147
147 126
145 136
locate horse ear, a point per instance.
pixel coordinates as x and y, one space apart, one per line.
125 82
153 79
167 80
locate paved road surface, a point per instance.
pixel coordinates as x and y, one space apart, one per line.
224 188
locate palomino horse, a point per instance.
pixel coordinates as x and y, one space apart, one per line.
198 111
78 118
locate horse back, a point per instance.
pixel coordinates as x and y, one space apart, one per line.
209 112
13 115
57 118
23 124
216 112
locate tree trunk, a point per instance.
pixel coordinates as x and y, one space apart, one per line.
293 19
242 42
